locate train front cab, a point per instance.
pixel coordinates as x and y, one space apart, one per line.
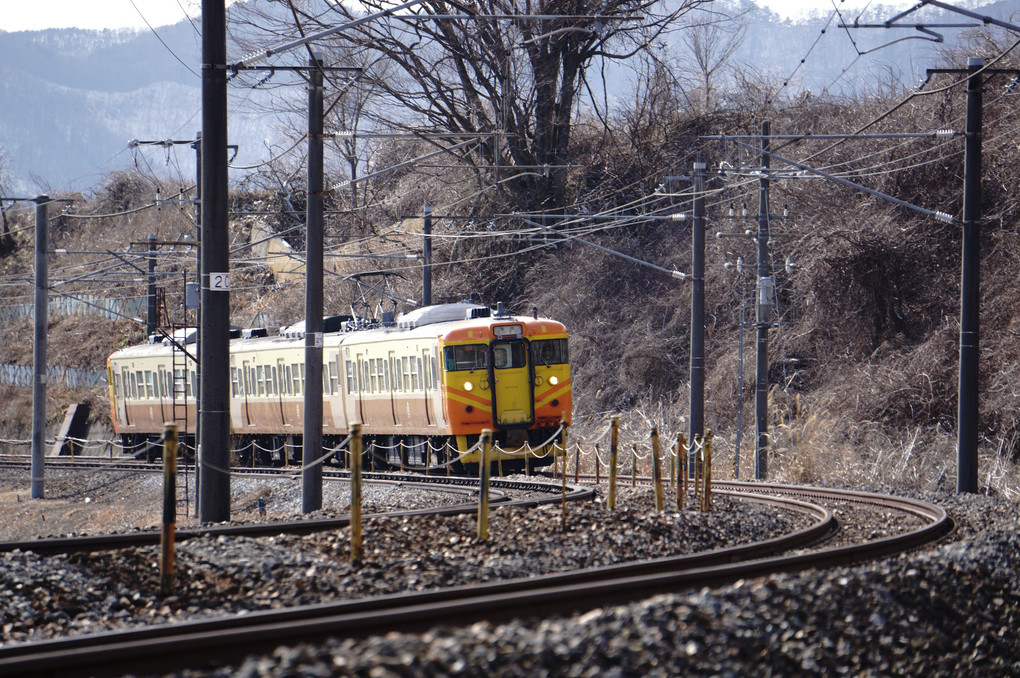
512 378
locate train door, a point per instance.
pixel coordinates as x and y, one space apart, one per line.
361 369
392 368
120 392
427 387
248 381
513 400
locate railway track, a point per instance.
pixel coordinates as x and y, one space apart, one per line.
163 648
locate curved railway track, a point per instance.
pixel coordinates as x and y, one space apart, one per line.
163 648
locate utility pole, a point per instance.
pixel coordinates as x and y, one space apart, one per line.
697 405
311 449
766 288
39 344
150 316
214 323
426 280
970 281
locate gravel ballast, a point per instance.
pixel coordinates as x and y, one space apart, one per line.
946 610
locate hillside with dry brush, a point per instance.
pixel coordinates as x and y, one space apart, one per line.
863 360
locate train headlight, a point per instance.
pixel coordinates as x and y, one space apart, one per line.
554 380
468 386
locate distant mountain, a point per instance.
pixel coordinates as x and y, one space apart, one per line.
73 99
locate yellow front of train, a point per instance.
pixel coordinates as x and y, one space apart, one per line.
510 375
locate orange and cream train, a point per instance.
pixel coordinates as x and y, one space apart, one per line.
424 387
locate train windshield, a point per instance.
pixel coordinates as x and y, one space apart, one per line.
549 351
466 357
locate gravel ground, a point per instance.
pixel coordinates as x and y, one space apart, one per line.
947 610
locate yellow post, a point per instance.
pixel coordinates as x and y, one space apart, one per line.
563 448
672 466
633 466
355 449
166 541
483 485
614 440
656 471
681 481
706 501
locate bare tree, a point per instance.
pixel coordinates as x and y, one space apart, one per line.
508 70
711 42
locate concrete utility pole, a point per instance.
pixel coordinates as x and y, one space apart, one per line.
311 450
970 283
765 290
150 315
42 240
426 279
697 404
214 324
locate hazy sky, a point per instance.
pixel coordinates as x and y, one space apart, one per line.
22 15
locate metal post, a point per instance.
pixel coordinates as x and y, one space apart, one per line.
167 535
970 281
656 470
150 316
39 344
198 368
614 440
764 287
214 325
426 281
483 484
740 395
311 477
355 449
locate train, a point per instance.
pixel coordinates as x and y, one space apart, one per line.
423 384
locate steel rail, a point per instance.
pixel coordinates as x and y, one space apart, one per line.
455 484
161 647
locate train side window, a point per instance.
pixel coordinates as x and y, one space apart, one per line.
415 366
301 387
260 383
235 385
373 376
295 375
150 384
192 383
349 370
466 357
386 374
435 373
334 378
325 379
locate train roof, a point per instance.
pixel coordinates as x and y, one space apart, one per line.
452 322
